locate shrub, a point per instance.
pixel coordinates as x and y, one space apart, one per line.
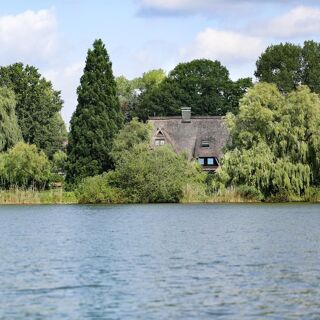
24 166
150 176
97 190
312 194
249 192
154 176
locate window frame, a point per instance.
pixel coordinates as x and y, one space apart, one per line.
205 160
205 144
159 142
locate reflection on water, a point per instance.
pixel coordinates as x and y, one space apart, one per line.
160 262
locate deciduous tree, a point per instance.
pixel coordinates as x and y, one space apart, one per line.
24 166
203 85
275 142
289 66
38 106
10 132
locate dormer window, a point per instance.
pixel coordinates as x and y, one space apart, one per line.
159 142
205 144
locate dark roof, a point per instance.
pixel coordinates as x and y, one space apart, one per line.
188 136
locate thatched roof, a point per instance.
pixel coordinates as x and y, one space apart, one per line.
190 135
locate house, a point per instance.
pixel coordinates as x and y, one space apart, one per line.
202 138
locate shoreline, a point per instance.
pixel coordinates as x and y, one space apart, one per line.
60 197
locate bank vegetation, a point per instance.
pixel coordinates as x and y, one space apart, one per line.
273 154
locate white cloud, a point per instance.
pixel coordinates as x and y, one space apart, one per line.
28 36
177 4
226 46
299 21
205 6
237 51
154 7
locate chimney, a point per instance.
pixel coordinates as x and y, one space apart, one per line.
186 114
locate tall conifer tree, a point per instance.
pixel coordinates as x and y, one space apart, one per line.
96 120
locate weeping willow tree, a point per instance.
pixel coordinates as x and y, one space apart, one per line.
274 142
10 132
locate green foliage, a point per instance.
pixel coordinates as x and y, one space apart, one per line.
24 166
97 190
29 196
38 107
249 192
97 118
126 93
158 175
54 136
146 175
203 85
132 134
129 90
289 66
59 161
311 65
149 80
275 142
142 175
312 194
10 132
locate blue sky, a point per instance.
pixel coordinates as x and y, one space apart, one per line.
145 34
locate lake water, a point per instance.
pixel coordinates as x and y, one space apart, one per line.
160 262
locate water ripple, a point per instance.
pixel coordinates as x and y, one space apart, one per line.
160 262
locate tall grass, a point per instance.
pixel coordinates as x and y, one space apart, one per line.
54 196
193 193
197 194
229 196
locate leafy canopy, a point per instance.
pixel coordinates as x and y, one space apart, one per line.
24 166
275 141
10 132
133 133
203 85
38 107
129 90
289 66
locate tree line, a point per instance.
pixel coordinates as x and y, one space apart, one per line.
273 124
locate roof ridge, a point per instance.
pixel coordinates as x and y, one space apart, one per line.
192 117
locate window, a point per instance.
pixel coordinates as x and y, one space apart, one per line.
159 142
212 161
205 144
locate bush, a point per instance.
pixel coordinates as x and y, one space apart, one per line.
249 192
155 176
97 190
25 167
150 176
194 192
312 195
